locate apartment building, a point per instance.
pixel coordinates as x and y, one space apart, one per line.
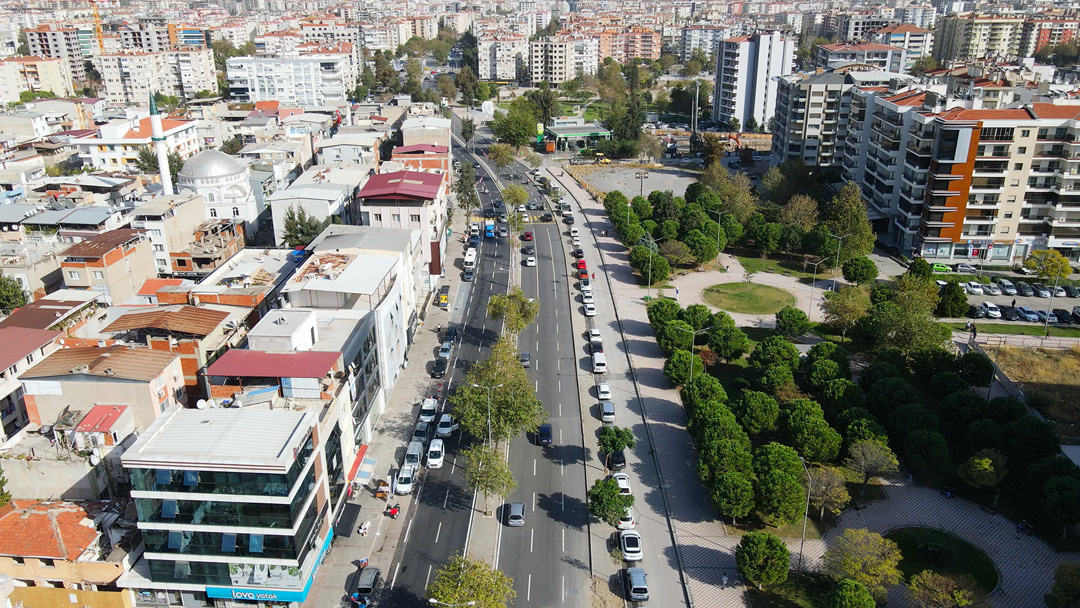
1037 34
114 263
502 57
970 36
169 223
303 80
23 348
880 56
916 42
71 43
747 70
32 73
115 146
854 26
627 43
558 59
145 37
411 200
704 37
130 77
273 43
924 16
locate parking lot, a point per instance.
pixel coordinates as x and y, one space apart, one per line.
1033 302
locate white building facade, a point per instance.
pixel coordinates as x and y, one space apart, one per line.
747 69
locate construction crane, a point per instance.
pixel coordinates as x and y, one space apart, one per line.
98 31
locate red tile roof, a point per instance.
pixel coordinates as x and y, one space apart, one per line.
151 286
902 28
260 364
144 131
413 185
1049 110
100 418
1005 114
267 105
42 313
98 245
182 319
21 341
421 148
52 530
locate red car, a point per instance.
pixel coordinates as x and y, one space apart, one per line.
580 264
527 236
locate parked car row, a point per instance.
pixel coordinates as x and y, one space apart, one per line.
989 310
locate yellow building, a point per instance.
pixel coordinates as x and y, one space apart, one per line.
18 74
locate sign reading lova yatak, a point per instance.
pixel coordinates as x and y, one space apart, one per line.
271 595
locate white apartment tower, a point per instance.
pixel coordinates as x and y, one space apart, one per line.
502 57
556 60
746 71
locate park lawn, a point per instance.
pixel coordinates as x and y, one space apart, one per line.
1016 329
800 590
755 263
750 299
595 111
1051 374
928 549
814 528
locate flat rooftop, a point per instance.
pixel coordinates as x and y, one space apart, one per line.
251 268
233 439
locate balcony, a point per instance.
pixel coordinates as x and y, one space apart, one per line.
920 150
1053 152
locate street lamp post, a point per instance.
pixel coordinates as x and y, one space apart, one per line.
840 241
806 513
435 602
1046 324
641 176
695 333
813 285
719 214
488 389
648 279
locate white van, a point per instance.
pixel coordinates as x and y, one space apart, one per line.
599 363
470 259
413 454
435 454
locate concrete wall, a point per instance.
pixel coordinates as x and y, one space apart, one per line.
82 392
43 479
46 596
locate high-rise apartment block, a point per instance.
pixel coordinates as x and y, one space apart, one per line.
502 57
556 60
747 70
313 79
968 37
1036 34
880 56
131 77
704 37
917 42
65 42
18 74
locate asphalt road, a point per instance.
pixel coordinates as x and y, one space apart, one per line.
440 520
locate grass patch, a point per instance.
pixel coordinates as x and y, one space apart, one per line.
1017 329
798 270
1052 375
755 299
928 549
814 528
800 590
594 111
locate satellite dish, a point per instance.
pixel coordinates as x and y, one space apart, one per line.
95 459
488 108
96 452
211 403
201 404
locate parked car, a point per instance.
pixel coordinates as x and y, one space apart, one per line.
405 477
1063 316
991 310
429 409
974 288
543 435
435 454
548 217
528 250
940 268
616 461
1024 289
527 236
368 583
446 349
623 481
1046 316
1027 314
607 412
580 264
991 289
1025 270
1059 291
968 268
1041 291
1009 313
585 284
450 333
1006 286
468 275
447 426
569 219
587 298
421 432
515 514
603 391
1076 311
590 310
1072 291
526 360
630 544
530 261
627 521
578 253
583 274
438 368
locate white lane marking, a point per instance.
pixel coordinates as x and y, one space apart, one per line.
560 430
560 437
563 546
528 590
397 568
531 540
428 577
407 530
534 467
558 364
562 498
537 382
438 531
564 578
534 502
447 498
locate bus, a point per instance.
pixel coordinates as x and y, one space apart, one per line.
470 259
489 229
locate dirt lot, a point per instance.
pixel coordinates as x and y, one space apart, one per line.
1050 374
614 177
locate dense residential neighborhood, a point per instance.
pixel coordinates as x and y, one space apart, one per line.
527 303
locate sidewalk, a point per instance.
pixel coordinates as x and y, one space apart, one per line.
337 575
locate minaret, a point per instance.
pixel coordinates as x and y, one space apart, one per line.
158 137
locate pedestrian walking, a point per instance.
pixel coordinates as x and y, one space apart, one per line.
439 330
1014 303
1048 333
723 581
974 332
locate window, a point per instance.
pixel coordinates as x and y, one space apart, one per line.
213 212
396 217
99 274
378 217
46 563
1018 166
159 248
236 212
29 358
1021 150
1008 214
414 218
1015 182
1025 132
228 543
17 560
73 274
1004 230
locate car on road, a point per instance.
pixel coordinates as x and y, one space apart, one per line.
435 454
548 217
603 391
607 412
1026 313
594 334
626 521
991 310
940 268
438 367
476 165
965 268
528 250
521 209
503 218
574 232
582 274
543 435
1024 289
447 426
527 236
630 544
580 264
515 514
530 261
577 253
590 310
368 583
450 333
533 206
468 275
587 298
623 481
1063 316
498 205
1009 313
525 218
584 284
503 232
616 461
991 289
421 432
575 241
1073 291
446 349
429 410
569 219
1006 286
637 585
974 288
405 477
525 359
489 213
1041 291
1046 316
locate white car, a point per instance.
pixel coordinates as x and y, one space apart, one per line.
594 335
630 544
447 426
524 218
603 391
623 481
974 288
530 261
574 231
590 310
627 521
405 477
1059 291
587 298
521 209
575 241
607 412
429 409
991 310
435 454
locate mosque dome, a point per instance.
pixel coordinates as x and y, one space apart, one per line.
210 164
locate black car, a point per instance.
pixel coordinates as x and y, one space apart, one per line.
1009 313
529 250
1063 316
450 334
543 435
438 369
1073 291
578 253
489 213
548 217
1024 289
569 219
616 461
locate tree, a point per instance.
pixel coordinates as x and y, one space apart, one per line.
1065 593
860 270
762 558
828 490
738 198
702 247
844 308
657 270
612 439
775 349
606 502
906 321
147 162
1048 264
871 458
662 310
5 496
926 450
487 472
501 155
517 126
465 188
468 129
677 370
675 335
932 590
515 310
513 406
232 146
811 436
545 101
975 368
446 87
300 228
851 594
925 63
779 497
985 469
676 252
12 294
846 217
534 160
792 322
698 316
28 96
800 210
864 557
466 84
953 301
462 580
726 339
1061 502
757 412
920 269
733 495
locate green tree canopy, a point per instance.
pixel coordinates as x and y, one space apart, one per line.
845 215
300 228
985 469
487 472
1065 593
844 308
871 458
757 412
828 490
1048 264
606 502
851 594
12 294
860 270
762 558
612 439
514 407
463 580
733 495
792 322
864 557
515 310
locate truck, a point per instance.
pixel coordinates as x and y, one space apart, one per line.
489 229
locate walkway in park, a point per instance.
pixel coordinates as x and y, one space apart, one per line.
1025 563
